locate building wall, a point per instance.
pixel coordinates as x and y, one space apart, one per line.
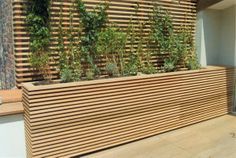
216 32
208 35
216 38
7 66
227 40
12 137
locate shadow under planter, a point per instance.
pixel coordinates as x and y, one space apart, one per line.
70 119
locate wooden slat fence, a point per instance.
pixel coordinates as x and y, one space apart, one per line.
120 12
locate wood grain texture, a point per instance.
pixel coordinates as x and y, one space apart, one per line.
119 12
70 119
11 109
11 96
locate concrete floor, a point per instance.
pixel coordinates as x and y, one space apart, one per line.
215 138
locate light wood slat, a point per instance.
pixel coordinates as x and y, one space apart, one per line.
120 12
117 138
128 80
69 132
133 89
121 123
75 122
103 136
84 103
130 96
94 115
46 126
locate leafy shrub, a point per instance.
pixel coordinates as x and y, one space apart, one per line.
131 68
66 75
192 63
112 69
169 65
177 46
90 74
149 68
111 44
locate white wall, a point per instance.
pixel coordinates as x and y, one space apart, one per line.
227 55
12 137
215 36
208 43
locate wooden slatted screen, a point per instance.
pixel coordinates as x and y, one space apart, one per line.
120 12
70 119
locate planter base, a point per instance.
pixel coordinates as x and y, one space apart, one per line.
69 119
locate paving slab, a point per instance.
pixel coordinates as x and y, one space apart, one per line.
215 138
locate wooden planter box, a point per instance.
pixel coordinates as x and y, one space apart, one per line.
69 119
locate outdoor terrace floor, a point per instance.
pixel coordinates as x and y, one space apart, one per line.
215 138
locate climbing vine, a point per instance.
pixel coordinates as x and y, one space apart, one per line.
70 62
92 23
37 20
175 47
139 60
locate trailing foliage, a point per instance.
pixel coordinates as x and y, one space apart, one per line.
92 23
70 64
39 30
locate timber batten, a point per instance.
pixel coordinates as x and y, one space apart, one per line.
71 119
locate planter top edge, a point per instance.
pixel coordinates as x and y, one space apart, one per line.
31 87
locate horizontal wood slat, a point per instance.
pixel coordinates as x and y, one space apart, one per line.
70 119
119 12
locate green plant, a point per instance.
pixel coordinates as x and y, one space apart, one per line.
111 44
144 57
176 48
192 63
149 68
66 74
90 74
131 68
169 65
163 41
92 23
191 60
39 31
162 31
70 64
112 69
139 58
